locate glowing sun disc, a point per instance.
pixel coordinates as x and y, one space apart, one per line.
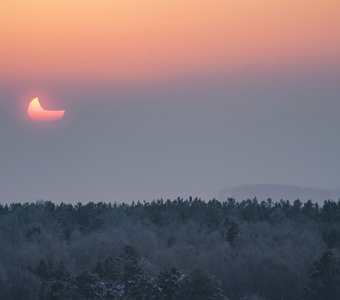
37 113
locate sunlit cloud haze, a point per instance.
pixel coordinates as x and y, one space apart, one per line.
124 41
168 98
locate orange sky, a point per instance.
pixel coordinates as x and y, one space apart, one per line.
137 40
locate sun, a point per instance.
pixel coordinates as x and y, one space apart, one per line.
37 113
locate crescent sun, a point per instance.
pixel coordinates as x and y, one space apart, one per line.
37 113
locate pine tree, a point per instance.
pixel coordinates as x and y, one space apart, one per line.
232 233
325 278
85 285
199 286
170 283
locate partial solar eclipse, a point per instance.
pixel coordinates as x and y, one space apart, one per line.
37 113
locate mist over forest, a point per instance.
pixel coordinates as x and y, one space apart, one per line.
180 249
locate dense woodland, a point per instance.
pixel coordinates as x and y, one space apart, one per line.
181 249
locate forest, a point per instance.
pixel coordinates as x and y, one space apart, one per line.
180 249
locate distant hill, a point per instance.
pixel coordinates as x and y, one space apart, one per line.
277 192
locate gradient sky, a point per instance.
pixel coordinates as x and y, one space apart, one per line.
168 98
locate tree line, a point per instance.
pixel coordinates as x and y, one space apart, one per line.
180 249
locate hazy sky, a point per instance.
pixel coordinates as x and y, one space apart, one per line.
168 98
